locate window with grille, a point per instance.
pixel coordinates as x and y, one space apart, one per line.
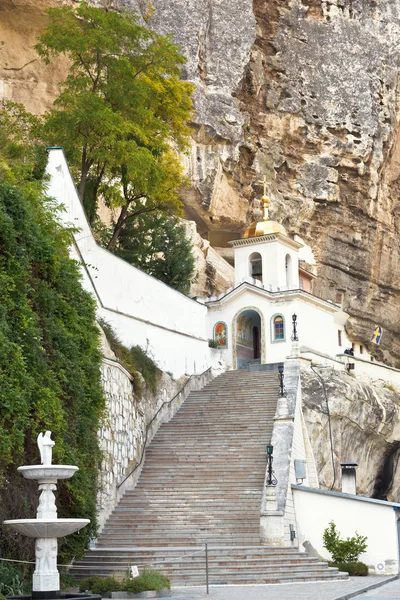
279 328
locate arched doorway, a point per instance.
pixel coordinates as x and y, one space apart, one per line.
248 328
256 342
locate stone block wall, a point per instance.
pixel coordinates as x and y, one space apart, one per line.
123 433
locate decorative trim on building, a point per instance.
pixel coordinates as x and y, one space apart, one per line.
272 329
262 342
262 239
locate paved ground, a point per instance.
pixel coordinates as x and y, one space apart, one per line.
389 591
319 590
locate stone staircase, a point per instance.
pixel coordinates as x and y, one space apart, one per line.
202 483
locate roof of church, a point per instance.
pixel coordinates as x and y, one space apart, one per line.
265 226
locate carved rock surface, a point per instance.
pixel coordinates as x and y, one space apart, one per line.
365 424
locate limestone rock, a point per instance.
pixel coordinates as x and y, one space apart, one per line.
213 275
304 92
24 77
365 422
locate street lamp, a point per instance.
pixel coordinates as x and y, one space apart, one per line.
282 391
295 337
271 479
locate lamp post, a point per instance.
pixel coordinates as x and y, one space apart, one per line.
295 337
282 391
271 479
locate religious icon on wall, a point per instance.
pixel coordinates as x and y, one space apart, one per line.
220 335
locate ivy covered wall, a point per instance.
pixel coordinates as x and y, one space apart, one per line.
49 367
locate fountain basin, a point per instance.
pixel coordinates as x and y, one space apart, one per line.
47 528
47 472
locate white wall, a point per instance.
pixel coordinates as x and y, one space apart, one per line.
142 310
273 253
375 519
316 325
364 368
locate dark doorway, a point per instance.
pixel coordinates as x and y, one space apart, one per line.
256 343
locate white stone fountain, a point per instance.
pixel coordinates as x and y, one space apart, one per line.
46 528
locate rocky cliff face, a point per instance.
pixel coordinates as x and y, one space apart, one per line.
23 77
365 425
304 91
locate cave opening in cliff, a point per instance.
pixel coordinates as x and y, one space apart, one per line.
385 476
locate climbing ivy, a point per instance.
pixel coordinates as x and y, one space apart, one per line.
135 360
49 361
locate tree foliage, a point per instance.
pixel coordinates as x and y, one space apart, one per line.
49 351
159 246
343 551
122 112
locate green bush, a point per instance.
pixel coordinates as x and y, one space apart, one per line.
213 343
135 360
148 580
67 581
343 551
356 568
100 585
11 580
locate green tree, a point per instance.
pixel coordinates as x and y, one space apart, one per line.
159 246
122 112
23 156
49 347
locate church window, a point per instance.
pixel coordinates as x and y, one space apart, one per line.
256 266
278 329
288 270
339 335
301 283
361 349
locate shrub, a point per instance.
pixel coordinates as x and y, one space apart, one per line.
100 585
11 580
356 568
148 580
212 343
343 551
67 581
135 360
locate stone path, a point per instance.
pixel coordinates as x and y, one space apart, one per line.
389 591
318 590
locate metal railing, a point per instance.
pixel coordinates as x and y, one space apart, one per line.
149 424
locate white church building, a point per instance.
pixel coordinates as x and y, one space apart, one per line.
272 296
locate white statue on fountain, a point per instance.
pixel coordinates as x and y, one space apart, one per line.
46 528
45 444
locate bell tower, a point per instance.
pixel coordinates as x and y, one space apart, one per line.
266 256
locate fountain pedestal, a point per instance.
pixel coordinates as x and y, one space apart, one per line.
47 528
46 576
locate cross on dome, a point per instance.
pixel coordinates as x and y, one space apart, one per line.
265 226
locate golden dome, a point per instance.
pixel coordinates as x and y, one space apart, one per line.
265 226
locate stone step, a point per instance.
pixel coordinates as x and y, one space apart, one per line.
202 481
